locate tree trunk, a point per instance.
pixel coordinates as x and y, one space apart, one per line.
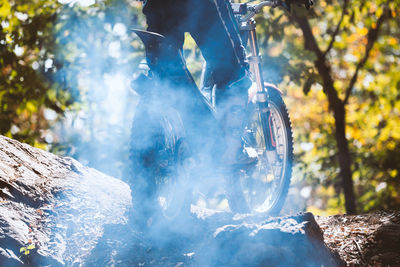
338 108
344 158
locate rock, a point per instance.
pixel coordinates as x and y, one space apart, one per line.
276 241
53 210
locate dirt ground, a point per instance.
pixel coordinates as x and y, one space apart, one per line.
364 240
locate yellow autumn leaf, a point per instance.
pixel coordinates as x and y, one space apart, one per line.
352 38
316 30
362 31
379 12
5 9
392 41
392 145
393 173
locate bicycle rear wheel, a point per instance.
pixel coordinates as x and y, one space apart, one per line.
157 151
265 185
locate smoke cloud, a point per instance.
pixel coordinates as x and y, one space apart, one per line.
97 57
95 60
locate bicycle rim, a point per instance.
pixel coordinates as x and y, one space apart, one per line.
265 186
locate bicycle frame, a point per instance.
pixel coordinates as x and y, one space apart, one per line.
248 24
262 95
244 14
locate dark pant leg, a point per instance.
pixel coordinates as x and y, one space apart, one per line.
213 27
165 17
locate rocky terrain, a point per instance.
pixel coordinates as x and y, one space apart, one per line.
54 211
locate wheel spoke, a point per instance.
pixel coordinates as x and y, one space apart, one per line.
266 185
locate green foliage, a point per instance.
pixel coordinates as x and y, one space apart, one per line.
26 44
26 250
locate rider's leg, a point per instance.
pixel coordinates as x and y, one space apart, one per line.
165 17
212 26
214 29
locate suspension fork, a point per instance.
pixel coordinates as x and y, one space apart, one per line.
262 94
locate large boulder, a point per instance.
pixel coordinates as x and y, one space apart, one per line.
52 209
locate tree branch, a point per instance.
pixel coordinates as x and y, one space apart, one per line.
336 32
309 39
372 37
320 63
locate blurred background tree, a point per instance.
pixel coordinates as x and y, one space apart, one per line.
65 68
26 48
339 53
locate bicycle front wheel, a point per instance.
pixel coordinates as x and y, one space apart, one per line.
265 185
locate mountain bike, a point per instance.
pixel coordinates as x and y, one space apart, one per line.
175 137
